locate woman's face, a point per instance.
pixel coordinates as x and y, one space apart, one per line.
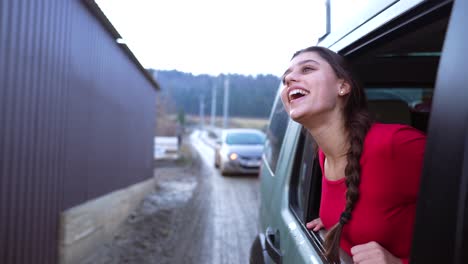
311 88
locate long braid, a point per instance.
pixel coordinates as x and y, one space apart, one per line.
357 130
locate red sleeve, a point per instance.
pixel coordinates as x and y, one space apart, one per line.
405 260
408 146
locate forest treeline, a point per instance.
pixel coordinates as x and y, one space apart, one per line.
249 96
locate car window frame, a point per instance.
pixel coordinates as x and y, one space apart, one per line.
278 117
445 199
313 174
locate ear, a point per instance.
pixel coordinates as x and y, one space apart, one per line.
344 88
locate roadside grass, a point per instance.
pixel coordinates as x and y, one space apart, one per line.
242 122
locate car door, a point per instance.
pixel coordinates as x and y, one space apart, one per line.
298 172
283 236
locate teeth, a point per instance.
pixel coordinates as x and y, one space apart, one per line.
297 91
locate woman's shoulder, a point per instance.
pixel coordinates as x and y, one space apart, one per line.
389 131
383 138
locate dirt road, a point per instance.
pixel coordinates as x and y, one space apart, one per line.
232 206
195 215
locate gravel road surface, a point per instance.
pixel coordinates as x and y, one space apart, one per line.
194 215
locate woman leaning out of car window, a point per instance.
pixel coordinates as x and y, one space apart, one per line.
371 171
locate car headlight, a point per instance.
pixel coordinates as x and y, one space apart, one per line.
233 156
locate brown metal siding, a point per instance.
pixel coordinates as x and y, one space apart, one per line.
77 121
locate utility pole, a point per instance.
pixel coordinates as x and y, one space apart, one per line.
202 112
213 105
226 102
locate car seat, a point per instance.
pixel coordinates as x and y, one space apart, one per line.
390 111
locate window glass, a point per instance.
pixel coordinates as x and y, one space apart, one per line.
409 106
418 99
245 138
275 134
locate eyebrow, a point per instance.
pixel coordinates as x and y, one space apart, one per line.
300 63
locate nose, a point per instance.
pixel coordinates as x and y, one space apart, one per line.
290 77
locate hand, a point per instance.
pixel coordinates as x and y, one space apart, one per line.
371 253
315 225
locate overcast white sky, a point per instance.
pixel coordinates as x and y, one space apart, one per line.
217 36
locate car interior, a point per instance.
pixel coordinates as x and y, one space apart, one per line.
398 65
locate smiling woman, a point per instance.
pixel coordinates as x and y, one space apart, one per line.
315 85
321 93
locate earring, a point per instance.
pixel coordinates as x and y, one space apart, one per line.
341 92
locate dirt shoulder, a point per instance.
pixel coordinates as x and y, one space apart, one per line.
151 233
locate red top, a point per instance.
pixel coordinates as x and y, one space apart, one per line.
391 165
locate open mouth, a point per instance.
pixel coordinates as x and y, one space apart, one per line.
296 94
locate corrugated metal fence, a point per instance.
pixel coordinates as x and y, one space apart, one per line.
77 121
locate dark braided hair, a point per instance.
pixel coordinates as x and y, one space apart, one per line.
357 123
